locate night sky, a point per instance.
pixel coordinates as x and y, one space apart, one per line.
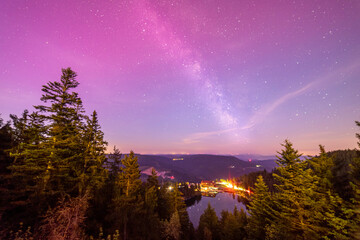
221 77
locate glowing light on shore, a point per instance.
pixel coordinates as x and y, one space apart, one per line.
231 185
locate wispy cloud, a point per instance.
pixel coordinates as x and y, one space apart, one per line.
334 76
262 113
197 137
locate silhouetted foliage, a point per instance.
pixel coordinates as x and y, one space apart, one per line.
248 180
209 227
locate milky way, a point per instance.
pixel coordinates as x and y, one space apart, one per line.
219 77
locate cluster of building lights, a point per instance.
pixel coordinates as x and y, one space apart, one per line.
230 185
208 186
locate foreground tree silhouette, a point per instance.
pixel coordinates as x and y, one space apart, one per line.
209 225
233 224
128 200
61 151
260 209
355 172
305 206
330 218
294 198
64 144
6 142
171 230
93 174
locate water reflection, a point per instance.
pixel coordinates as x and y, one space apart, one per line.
222 201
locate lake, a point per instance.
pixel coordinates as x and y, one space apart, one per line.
222 201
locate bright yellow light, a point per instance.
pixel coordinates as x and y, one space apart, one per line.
230 185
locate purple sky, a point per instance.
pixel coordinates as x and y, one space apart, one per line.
187 76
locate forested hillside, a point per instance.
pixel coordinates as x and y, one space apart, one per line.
197 167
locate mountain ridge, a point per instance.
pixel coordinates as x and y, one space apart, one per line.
197 167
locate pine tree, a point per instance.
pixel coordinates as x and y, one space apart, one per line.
21 197
171 230
93 173
6 142
179 206
6 179
152 180
241 223
294 198
101 210
129 179
330 218
209 222
65 138
342 176
151 202
56 154
165 203
322 167
128 201
228 226
28 134
114 162
355 169
288 156
59 153
20 127
355 172
260 209
29 153
151 217
305 207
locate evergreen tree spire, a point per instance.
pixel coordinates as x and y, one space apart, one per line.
209 224
93 172
61 151
152 180
114 163
128 202
130 175
260 210
289 155
64 133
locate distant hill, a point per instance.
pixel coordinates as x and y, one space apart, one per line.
246 157
197 167
166 167
268 164
208 167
